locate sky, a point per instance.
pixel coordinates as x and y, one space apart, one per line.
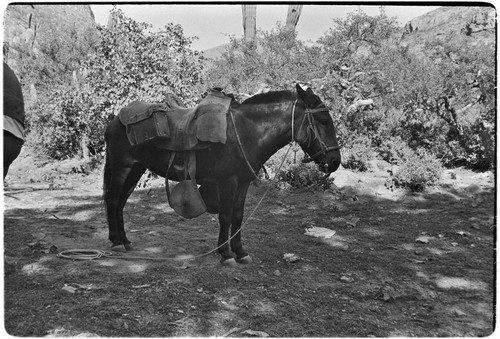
213 24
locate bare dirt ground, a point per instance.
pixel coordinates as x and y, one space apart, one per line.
394 264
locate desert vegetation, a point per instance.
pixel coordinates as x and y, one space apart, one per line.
420 108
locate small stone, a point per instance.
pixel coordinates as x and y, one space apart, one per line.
419 251
151 218
277 273
69 289
423 239
290 257
346 279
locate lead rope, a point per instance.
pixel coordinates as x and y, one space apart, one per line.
79 254
241 146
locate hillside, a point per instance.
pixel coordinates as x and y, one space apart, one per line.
466 25
215 52
26 24
466 20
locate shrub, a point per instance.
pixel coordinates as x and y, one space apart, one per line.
479 140
68 124
304 175
393 150
417 169
357 153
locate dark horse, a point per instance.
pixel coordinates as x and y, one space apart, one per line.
13 111
263 124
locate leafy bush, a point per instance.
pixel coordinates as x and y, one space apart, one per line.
304 175
417 169
394 150
68 124
477 150
127 63
357 153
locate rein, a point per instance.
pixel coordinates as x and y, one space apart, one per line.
312 128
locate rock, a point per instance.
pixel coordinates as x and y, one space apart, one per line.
378 166
346 279
320 232
69 289
290 257
253 333
423 239
472 188
459 312
453 18
419 251
343 178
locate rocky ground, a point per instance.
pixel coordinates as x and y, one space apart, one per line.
356 260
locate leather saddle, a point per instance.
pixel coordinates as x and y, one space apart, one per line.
172 126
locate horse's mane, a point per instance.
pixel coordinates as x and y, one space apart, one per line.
270 97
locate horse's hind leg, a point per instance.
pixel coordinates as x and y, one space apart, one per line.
242 256
118 187
227 193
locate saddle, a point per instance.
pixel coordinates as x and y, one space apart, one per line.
174 127
181 130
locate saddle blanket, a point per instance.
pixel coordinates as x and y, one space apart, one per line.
174 127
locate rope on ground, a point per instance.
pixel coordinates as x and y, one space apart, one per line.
79 254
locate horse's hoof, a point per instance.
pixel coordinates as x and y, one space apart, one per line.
129 247
244 260
118 248
231 262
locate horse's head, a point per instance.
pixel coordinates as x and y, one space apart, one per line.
317 135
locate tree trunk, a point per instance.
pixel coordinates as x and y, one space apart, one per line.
84 148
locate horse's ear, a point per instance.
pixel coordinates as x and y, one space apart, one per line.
307 96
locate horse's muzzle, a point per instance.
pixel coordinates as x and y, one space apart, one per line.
329 168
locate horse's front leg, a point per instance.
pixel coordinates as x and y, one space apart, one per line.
242 256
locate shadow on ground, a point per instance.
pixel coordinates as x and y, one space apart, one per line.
394 264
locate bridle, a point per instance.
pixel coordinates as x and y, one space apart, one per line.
312 132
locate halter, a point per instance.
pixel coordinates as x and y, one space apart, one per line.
312 131
312 128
